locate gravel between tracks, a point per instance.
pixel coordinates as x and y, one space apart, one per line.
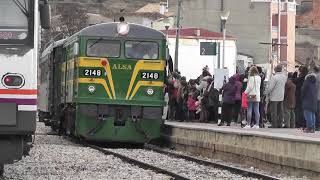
54 157
180 166
281 176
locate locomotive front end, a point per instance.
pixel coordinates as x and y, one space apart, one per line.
113 85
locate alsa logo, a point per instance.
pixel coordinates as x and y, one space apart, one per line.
122 66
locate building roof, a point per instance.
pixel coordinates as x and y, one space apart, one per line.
191 33
151 11
150 7
153 8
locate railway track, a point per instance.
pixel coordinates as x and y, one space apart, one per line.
174 175
139 163
237 170
122 157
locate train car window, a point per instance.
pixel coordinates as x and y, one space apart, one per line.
103 48
141 50
14 19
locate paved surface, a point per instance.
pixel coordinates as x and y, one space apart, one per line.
279 133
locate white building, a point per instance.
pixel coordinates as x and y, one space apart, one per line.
190 62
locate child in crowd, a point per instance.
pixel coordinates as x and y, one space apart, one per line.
244 109
198 106
192 105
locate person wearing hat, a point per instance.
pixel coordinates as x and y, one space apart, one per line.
275 94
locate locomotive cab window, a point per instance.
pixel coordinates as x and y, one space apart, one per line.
141 50
15 21
103 48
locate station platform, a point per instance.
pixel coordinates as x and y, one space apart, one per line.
288 151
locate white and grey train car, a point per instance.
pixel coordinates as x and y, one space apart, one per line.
19 39
47 81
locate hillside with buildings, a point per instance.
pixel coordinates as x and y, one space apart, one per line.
70 16
107 6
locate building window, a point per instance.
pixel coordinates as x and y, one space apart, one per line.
274 19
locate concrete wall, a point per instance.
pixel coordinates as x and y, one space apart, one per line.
249 22
283 154
139 20
160 24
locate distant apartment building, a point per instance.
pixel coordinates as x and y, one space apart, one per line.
308 32
308 14
253 22
153 15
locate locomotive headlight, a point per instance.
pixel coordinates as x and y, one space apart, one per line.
92 89
150 91
123 28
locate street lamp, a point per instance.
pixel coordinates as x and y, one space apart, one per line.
224 17
176 53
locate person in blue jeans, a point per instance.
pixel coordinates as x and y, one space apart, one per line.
253 94
309 102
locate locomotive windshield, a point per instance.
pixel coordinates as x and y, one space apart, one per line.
14 19
141 50
103 48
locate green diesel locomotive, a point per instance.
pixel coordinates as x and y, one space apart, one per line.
105 83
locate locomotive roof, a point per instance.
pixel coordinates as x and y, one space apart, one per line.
110 30
51 46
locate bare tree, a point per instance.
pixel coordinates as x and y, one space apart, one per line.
73 18
69 19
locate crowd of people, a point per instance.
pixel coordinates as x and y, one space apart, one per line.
287 100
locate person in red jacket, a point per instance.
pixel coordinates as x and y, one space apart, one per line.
244 109
192 108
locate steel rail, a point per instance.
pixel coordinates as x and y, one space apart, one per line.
233 169
45 134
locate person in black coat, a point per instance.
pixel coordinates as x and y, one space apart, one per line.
309 102
303 71
228 101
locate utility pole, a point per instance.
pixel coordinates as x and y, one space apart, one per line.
176 54
279 31
272 63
